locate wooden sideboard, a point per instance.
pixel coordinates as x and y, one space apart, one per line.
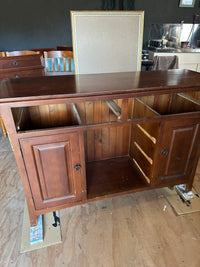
21 66
81 138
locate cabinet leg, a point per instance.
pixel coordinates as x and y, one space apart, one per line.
33 220
188 187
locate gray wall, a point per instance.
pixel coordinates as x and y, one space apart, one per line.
165 11
26 24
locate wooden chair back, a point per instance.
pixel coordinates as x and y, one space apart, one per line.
2 54
21 53
64 48
60 61
42 50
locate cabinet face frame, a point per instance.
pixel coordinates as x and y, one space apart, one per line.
94 50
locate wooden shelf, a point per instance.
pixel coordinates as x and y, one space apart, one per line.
112 176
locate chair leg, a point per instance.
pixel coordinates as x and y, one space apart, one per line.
3 127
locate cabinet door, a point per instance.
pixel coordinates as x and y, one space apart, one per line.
55 169
177 152
189 66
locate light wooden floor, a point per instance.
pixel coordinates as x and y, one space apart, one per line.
125 231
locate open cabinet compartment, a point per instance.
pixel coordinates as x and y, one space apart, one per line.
45 116
121 158
167 104
62 115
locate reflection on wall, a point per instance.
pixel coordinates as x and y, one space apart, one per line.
174 35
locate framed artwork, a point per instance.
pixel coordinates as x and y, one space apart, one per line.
107 41
186 3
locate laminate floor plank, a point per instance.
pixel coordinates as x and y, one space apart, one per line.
4 143
139 230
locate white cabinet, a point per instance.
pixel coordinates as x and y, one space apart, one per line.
190 61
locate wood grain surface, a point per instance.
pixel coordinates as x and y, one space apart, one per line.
48 87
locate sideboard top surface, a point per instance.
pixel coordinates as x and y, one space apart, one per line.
66 86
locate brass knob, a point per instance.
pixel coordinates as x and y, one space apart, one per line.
164 152
15 63
77 167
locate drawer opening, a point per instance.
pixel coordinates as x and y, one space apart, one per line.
143 110
167 104
45 116
62 115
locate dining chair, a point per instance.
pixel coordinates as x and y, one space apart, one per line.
59 61
21 53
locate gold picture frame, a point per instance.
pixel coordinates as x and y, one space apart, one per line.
107 41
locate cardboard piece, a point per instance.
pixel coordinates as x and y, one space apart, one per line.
36 232
52 235
178 205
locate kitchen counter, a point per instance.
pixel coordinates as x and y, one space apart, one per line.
175 50
188 58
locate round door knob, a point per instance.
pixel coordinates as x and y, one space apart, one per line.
15 63
77 167
164 152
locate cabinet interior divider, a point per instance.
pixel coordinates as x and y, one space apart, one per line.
76 114
114 107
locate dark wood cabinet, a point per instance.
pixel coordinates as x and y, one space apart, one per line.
82 138
54 169
21 66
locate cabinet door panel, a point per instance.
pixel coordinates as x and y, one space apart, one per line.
179 150
179 145
53 164
50 162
